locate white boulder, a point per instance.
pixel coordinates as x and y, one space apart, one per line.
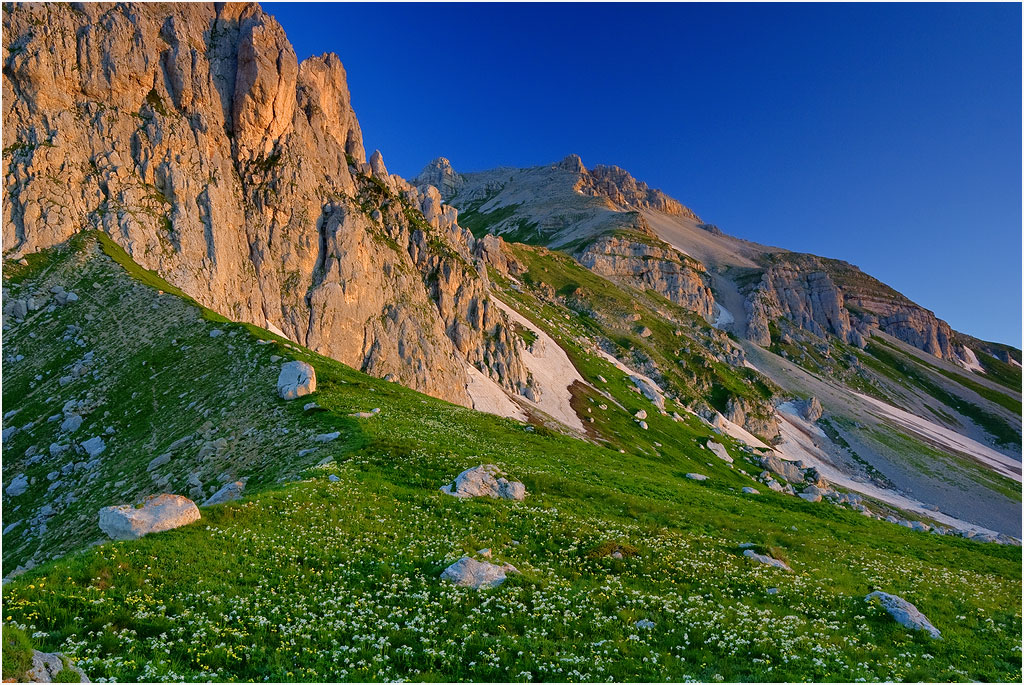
296 379
485 481
468 572
157 513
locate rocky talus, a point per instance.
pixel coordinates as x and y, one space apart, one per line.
193 137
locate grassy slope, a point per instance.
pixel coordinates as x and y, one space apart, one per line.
321 580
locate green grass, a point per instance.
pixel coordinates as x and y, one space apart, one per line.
309 579
17 652
1000 371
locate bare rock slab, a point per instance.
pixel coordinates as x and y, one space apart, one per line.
296 379
157 514
904 613
485 481
468 572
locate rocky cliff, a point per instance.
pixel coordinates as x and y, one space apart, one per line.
594 214
192 136
828 296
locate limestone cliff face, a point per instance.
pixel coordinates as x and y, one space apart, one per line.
827 296
193 137
809 299
648 265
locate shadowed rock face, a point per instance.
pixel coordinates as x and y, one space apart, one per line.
195 139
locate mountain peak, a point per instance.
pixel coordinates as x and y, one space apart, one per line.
572 163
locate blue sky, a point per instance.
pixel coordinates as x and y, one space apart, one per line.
886 135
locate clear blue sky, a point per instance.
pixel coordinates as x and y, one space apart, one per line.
885 135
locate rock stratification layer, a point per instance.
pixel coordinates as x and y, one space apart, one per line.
193 136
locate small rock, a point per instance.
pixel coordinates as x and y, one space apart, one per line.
159 461
720 451
764 559
216 333
228 493
696 476
47 665
485 553
640 414
310 406
71 423
904 613
468 572
750 491
333 478
810 496
327 437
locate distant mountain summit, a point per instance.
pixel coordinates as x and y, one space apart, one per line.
624 229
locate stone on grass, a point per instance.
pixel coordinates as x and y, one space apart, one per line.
327 437
47 665
485 481
366 414
94 446
810 496
296 379
696 476
159 461
157 513
228 493
750 491
468 572
18 485
720 451
904 613
71 423
765 559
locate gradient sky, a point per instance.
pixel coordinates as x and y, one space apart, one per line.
885 135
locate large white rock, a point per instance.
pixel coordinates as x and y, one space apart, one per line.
157 513
468 572
485 481
904 613
296 380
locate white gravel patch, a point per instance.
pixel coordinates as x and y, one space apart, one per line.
488 396
552 372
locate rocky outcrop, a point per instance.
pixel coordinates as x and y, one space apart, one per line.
649 266
485 481
827 296
809 299
622 189
194 138
440 174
